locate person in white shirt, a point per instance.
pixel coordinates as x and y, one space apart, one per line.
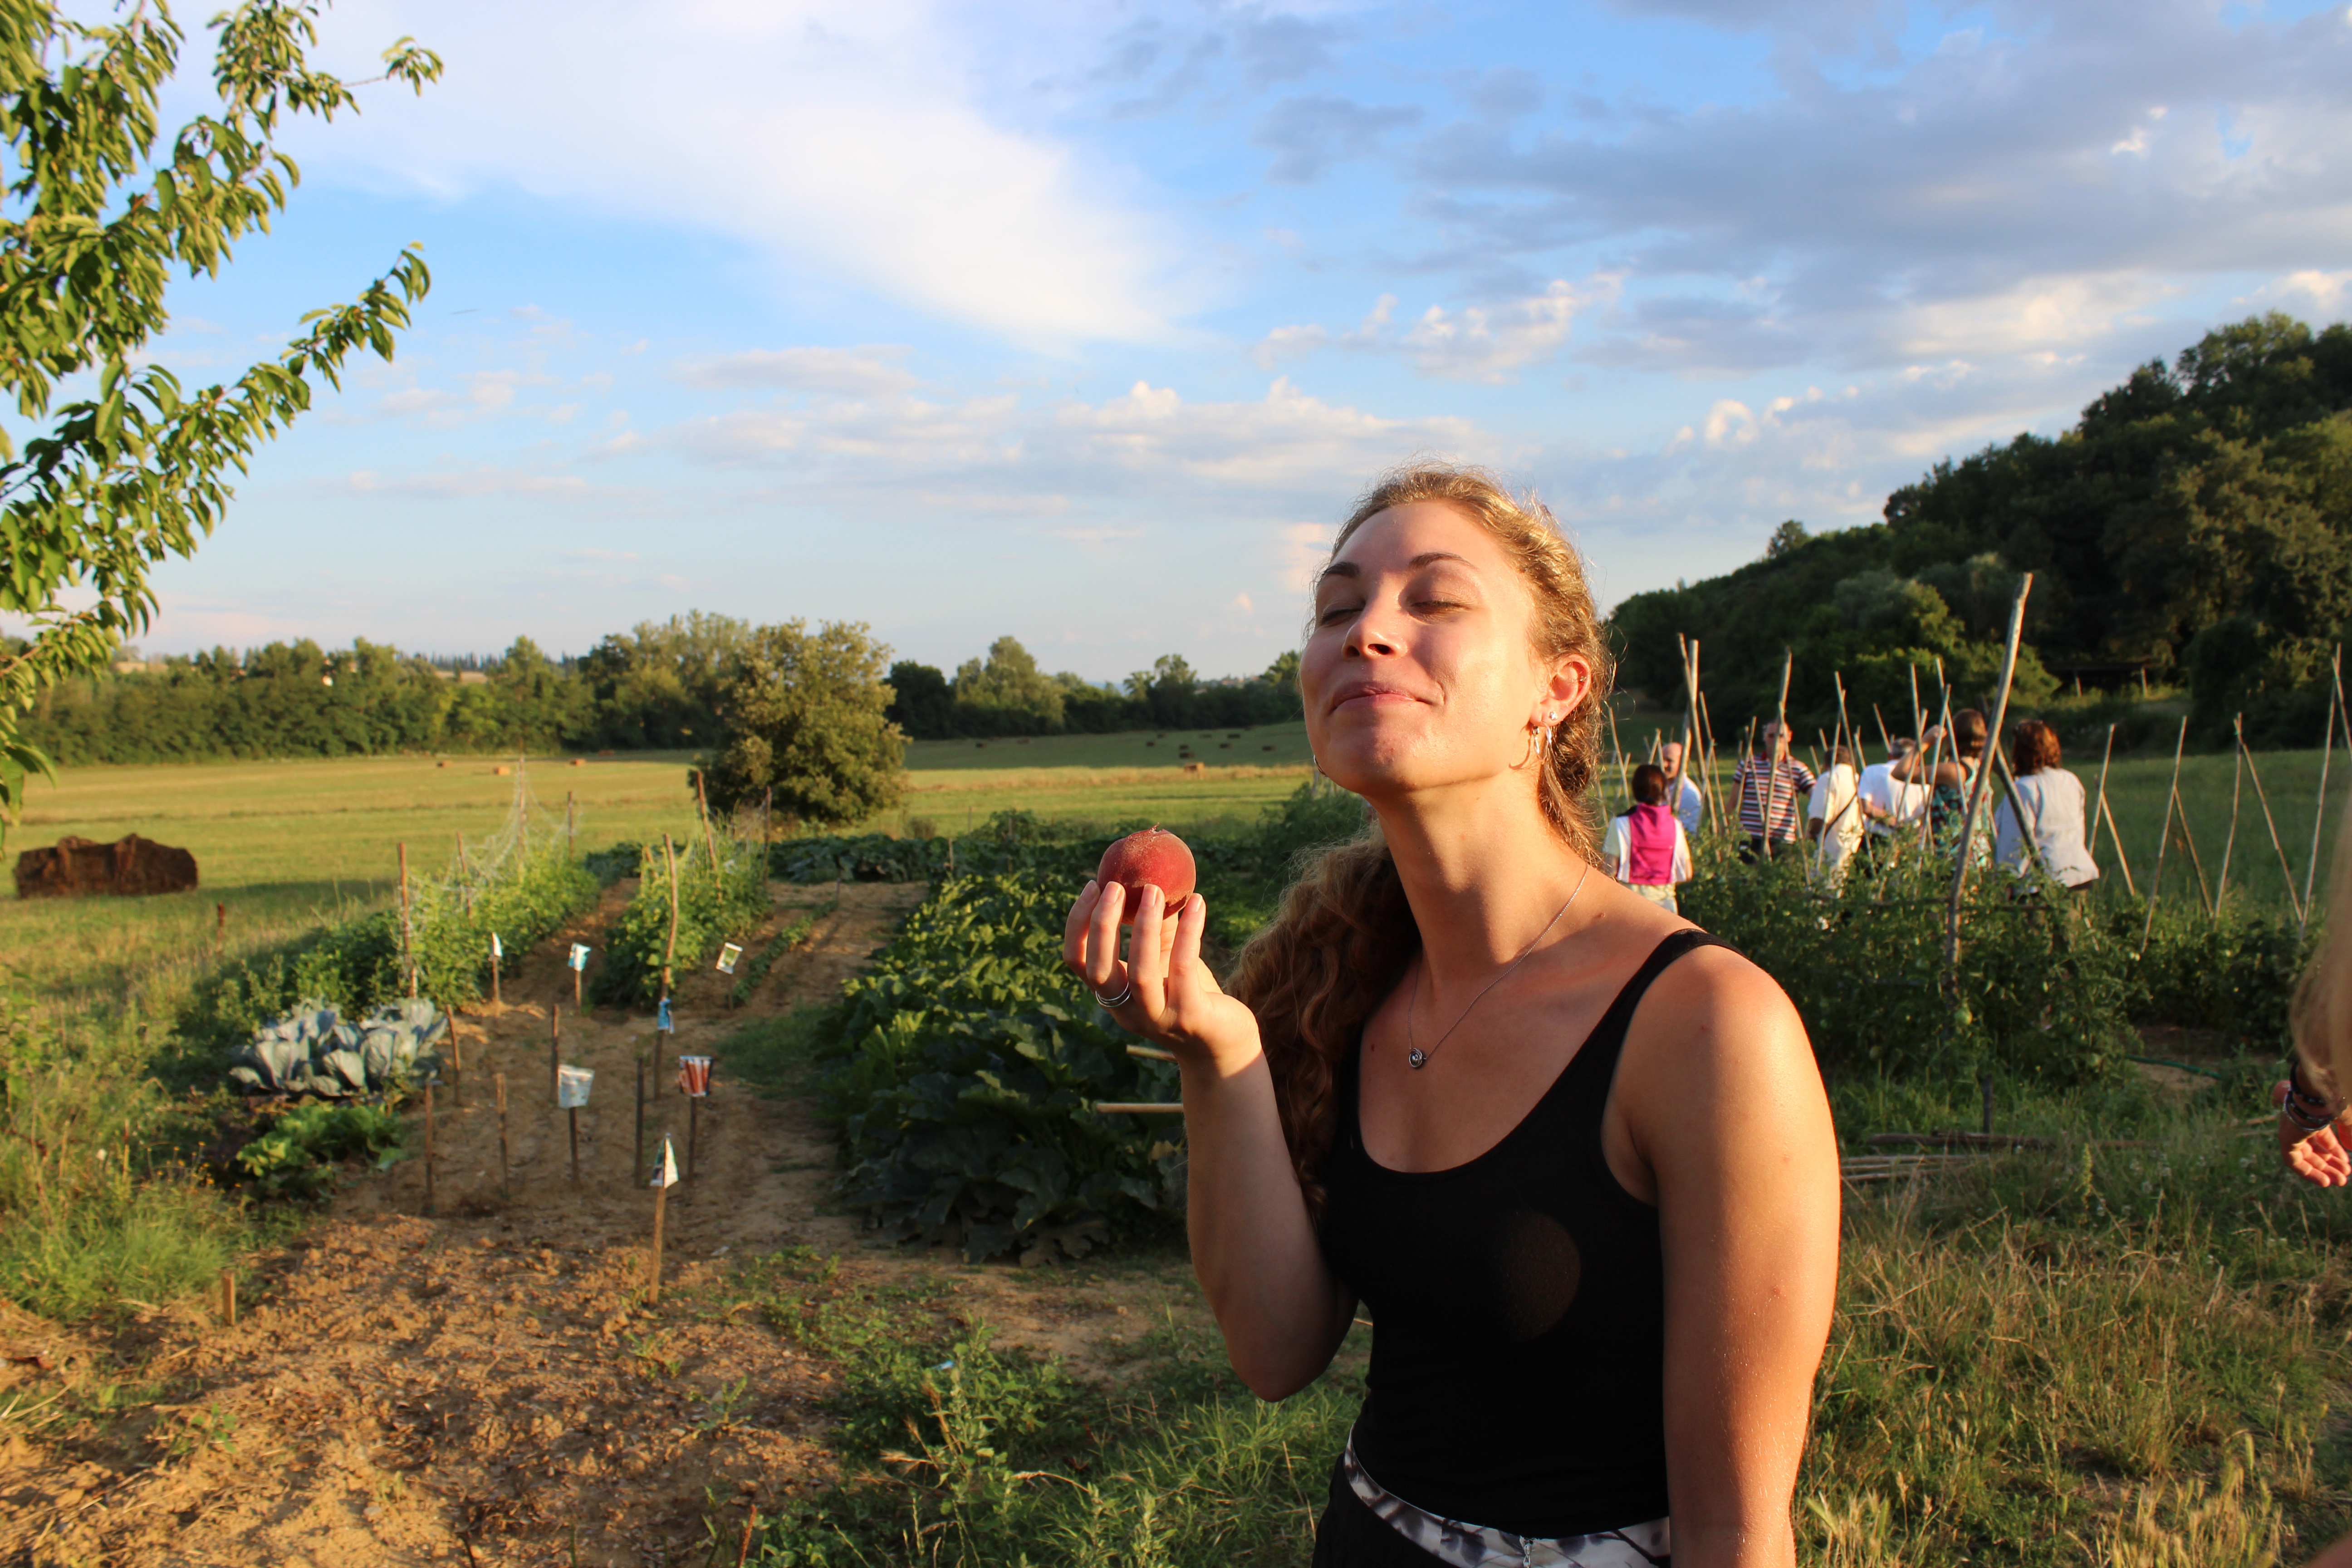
2055 813
1682 796
1646 848
1833 815
1889 804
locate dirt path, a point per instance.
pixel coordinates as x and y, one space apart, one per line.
479 1384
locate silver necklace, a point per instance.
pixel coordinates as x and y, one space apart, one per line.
1419 1058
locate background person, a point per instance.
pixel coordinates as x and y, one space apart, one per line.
1771 787
1646 848
1833 813
1891 801
1572 1153
1682 796
2055 814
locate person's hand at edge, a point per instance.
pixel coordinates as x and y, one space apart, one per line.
2318 1157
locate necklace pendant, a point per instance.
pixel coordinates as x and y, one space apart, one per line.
1417 1056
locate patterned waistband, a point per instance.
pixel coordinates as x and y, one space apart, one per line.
1450 1540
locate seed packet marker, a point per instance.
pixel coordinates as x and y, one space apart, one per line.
572 1087
694 1082
498 958
579 965
727 957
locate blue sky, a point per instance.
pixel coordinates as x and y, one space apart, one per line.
1086 323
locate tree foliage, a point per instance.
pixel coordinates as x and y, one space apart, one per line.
806 727
100 210
2196 521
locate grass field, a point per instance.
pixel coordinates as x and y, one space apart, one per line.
282 843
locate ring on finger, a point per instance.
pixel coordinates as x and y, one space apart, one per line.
1127 995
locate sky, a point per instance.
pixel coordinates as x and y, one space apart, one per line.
1087 323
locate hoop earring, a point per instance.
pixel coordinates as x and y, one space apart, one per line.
1529 756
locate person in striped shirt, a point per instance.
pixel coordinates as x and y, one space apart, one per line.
1770 788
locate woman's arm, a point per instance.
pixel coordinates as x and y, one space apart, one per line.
1282 1311
1724 1105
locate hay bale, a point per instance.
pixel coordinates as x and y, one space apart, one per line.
73 868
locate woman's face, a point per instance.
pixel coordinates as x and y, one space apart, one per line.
1419 670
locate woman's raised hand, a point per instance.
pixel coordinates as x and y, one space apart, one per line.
2318 1157
1163 990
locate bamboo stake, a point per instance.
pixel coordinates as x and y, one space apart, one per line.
2237 794
1779 738
2261 798
2099 802
669 949
506 1160
457 1064
1625 779
429 1150
2123 861
2319 810
229 1297
2196 864
2163 836
661 1203
407 934
693 1132
1918 714
554 1050
1976 793
572 1112
710 843
639 1163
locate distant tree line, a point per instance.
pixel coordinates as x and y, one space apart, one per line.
675 684
1005 693
2195 525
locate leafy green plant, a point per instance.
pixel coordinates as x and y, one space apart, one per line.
970 1065
296 1157
315 1052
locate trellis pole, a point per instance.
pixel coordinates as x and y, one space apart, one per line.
2163 838
2319 810
1977 791
1779 738
2237 792
2261 798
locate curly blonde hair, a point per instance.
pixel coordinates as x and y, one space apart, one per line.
1344 934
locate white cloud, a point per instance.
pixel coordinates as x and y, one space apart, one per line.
1472 342
859 372
850 135
2324 296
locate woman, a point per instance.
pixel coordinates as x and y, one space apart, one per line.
1571 1154
1646 848
2053 799
2313 1129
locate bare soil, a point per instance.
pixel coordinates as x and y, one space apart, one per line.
491 1382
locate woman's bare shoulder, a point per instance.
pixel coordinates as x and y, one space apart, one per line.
1715 1000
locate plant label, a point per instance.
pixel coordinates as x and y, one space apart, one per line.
694 1076
661 1017
727 958
572 1085
497 950
666 1168
579 955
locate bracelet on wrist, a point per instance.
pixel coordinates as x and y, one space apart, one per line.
2307 1121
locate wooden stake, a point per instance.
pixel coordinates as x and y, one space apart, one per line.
2319 810
496 964
2163 835
1779 738
576 974
640 1164
652 1288
750 1524
669 950
693 1132
429 1150
2099 801
1977 791
2123 861
2237 794
1624 778
555 1049
710 843
2196 864
572 1112
506 1161
2261 798
457 1064
407 934
229 1297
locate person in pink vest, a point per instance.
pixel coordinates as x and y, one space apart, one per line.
1646 848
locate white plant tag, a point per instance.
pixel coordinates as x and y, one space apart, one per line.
666 1172
572 1085
728 956
579 955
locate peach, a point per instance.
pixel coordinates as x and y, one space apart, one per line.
1153 856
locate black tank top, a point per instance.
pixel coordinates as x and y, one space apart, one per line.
1517 1374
